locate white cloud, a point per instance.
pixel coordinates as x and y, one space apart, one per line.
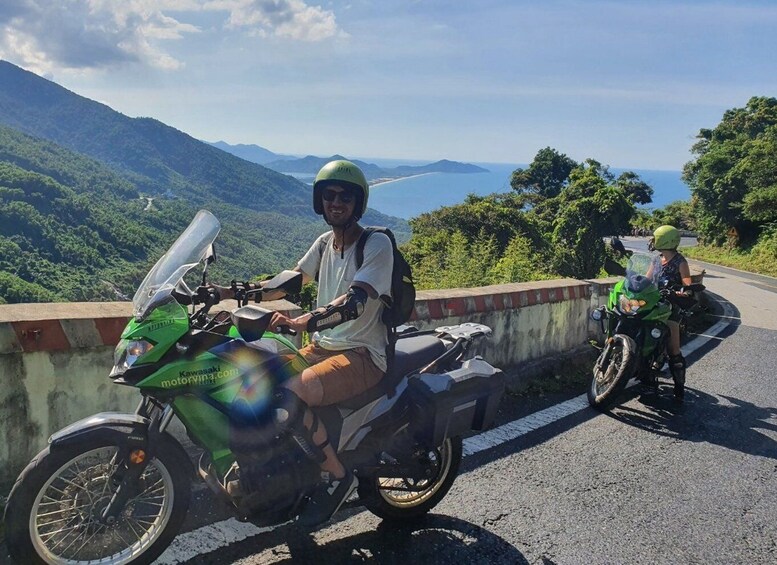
284 18
93 34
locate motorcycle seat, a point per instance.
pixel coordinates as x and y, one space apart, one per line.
410 354
683 302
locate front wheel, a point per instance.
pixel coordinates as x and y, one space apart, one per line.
54 510
612 371
406 499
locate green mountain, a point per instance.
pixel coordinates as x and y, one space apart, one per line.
310 165
250 152
167 161
90 198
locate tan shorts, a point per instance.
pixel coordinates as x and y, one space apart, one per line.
343 374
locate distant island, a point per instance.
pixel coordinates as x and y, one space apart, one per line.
311 164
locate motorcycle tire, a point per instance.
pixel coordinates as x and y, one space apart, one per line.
29 543
401 505
620 360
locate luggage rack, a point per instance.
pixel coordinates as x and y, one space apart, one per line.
467 330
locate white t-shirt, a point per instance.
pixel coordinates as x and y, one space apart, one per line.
335 276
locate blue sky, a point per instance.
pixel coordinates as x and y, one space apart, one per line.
629 83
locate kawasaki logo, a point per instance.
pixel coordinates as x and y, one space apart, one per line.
159 325
205 376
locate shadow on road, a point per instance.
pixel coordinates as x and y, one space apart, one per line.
719 309
432 539
725 421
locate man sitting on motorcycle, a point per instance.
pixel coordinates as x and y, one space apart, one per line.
347 354
675 272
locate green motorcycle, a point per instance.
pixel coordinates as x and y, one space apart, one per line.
634 323
115 488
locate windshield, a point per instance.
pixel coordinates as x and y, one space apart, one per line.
642 271
191 247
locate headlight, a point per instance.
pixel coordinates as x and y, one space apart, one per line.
596 315
629 306
126 353
656 333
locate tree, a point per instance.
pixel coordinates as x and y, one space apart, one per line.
546 176
592 207
734 174
678 214
519 263
637 190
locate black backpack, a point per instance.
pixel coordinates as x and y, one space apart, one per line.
399 306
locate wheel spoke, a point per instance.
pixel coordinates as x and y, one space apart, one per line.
63 538
68 509
90 538
65 511
83 488
118 534
129 522
66 519
411 492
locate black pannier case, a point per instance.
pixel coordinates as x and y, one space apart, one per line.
455 403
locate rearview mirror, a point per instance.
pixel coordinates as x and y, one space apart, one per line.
617 245
210 254
613 268
289 282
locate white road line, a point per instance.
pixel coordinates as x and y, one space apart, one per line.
517 428
221 534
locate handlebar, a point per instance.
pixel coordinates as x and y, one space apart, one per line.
286 330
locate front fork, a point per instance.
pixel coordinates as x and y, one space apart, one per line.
133 457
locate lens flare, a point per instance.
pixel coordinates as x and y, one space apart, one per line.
260 375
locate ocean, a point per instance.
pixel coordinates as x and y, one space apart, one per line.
410 197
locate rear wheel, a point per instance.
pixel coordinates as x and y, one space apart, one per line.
54 510
406 499
612 371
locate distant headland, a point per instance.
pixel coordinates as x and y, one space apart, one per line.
311 164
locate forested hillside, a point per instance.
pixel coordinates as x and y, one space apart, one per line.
552 224
166 161
91 198
73 229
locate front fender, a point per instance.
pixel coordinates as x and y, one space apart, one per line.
130 429
122 430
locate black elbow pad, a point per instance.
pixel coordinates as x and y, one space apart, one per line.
355 300
352 308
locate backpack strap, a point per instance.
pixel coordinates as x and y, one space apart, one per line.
391 332
322 244
368 231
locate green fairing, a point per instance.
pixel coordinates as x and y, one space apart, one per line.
163 327
204 372
656 310
217 375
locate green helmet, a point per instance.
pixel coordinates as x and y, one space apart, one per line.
666 237
346 174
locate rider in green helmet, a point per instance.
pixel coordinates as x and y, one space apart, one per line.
347 353
350 178
675 273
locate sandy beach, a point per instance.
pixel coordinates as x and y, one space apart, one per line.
386 180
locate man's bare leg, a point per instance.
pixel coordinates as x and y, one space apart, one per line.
308 388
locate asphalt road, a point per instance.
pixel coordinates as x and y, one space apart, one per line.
653 482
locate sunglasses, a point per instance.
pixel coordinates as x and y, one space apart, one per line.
345 197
